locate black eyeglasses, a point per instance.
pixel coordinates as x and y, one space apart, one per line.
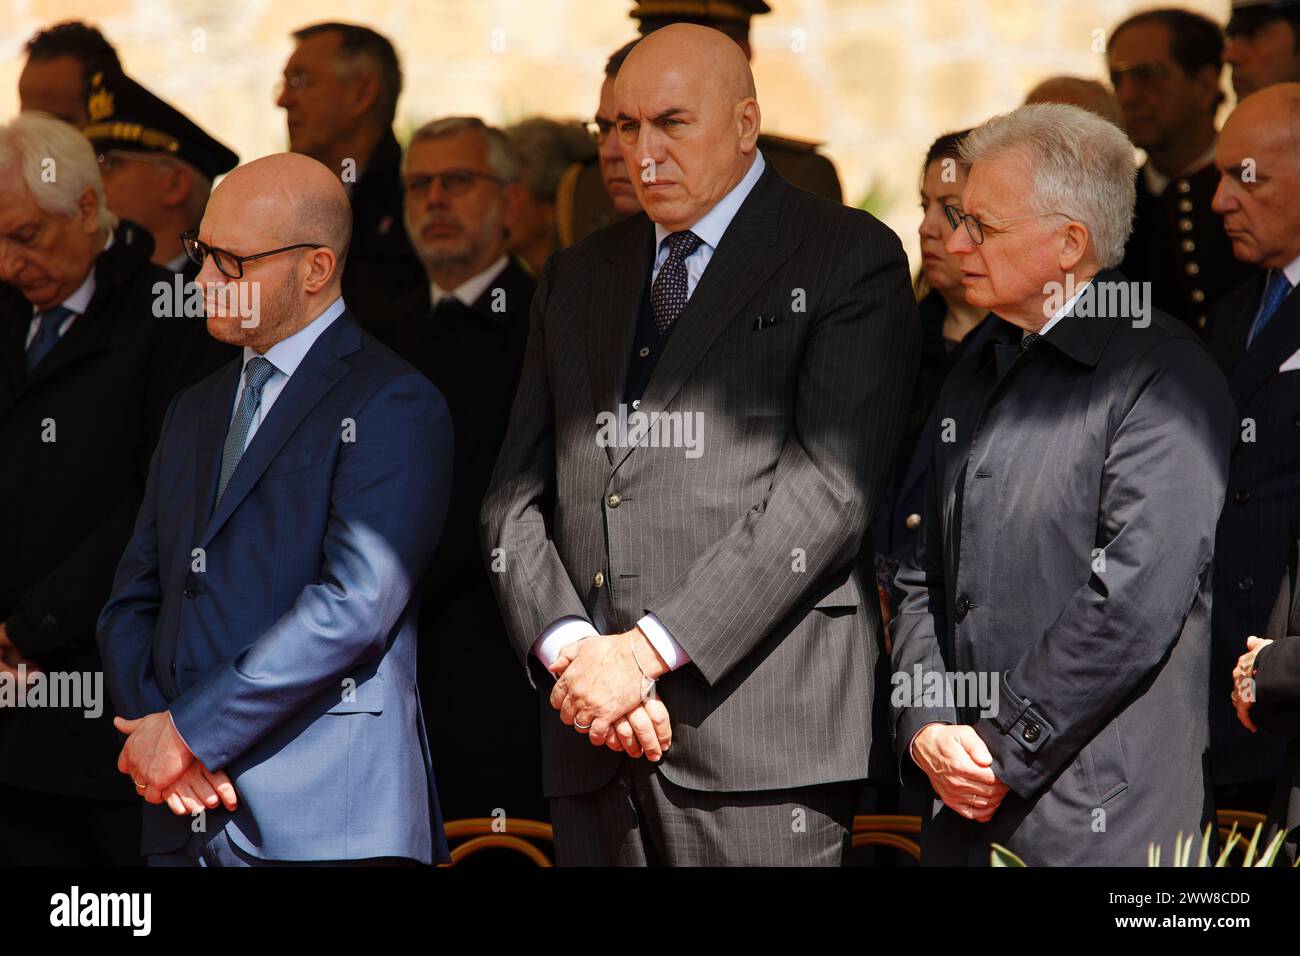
599 130
230 265
975 228
454 182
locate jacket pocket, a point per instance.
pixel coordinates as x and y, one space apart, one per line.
1105 764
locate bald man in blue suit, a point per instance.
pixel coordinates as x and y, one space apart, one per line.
259 644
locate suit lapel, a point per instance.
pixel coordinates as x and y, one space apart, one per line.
750 250
1278 342
12 370
611 326
320 370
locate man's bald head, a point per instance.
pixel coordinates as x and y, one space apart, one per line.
687 120
1258 157
281 200
701 54
287 198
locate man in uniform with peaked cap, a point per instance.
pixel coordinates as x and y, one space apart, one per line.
158 165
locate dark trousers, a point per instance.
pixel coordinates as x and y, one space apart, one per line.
42 829
640 818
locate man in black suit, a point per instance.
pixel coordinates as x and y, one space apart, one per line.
339 95
1051 652
712 396
466 329
90 357
1266 694
1165 66
1255 336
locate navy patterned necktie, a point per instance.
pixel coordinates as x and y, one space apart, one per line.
1276 290
1029 341
668 294
256 374
47 335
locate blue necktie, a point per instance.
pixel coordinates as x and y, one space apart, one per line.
1276 290
256 373
47 335
668 294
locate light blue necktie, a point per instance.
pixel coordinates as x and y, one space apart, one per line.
1276 290
47 335
256 374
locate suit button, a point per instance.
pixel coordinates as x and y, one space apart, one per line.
49 622
173 667
963 606
1032 731
1246 583
599 580
913 522
1241 497
189 591
614 500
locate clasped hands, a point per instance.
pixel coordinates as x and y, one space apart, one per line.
1243 680
960 768
164 770
597 691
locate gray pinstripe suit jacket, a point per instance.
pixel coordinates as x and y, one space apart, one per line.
747 553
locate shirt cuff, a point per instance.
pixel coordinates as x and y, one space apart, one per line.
178 733
674 654
564 631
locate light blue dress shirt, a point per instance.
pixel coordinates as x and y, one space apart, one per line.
286 355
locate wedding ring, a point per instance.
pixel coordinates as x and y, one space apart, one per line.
582 726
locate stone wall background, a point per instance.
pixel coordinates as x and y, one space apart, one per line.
875 80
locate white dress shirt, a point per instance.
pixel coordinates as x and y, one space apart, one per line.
285 355
1060 313
710 228
77 303
468 292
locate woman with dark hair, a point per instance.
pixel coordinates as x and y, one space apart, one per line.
950 329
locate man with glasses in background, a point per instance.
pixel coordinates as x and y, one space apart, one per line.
465 328
260 640
339 94
1165 66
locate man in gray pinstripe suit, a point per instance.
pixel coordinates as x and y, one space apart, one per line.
711 398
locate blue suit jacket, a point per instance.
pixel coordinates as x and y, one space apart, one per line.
280 629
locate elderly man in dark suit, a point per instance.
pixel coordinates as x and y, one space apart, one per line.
1052 650
465 329
90 356
711 400
1255 335
1266 693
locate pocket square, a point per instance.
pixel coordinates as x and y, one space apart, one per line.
1292 364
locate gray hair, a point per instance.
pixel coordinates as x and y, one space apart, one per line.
32 143
1081 165
502 157
548 148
